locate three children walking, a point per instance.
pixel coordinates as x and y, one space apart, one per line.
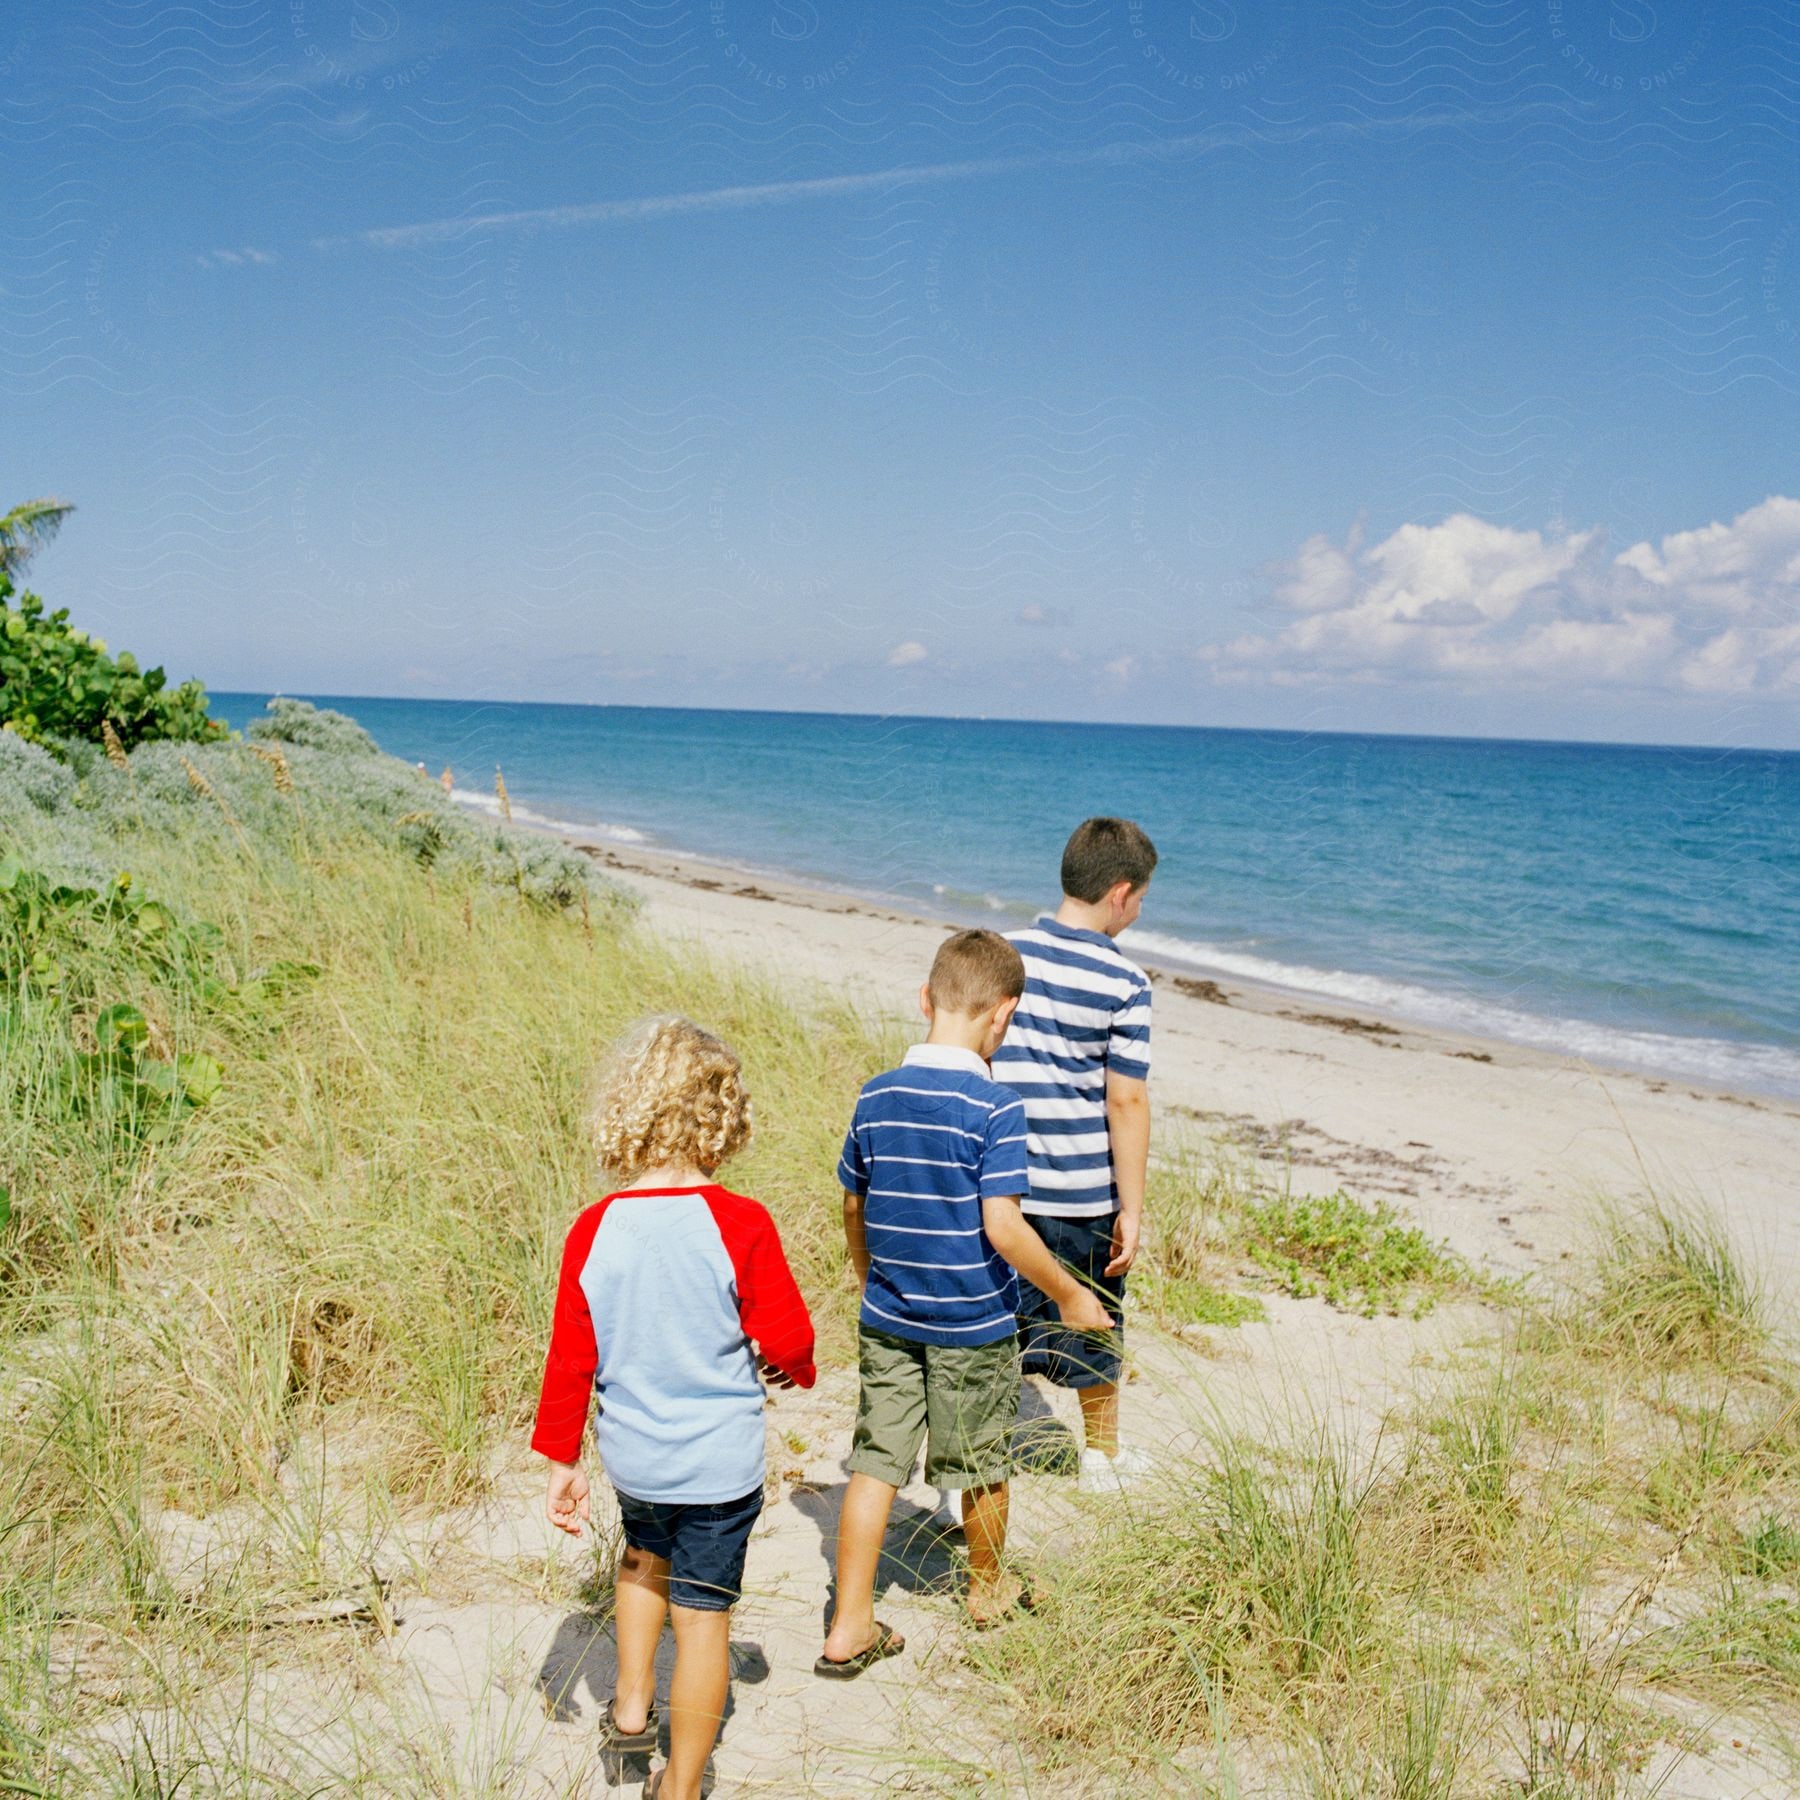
993 1199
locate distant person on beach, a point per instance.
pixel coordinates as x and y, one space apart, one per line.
1078 1052
933 1169
666 1284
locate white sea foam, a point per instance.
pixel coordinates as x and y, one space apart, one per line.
1719 1062
963 897
490 804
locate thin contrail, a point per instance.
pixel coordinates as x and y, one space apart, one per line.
836 187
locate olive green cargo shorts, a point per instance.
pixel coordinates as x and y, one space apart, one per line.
960 1400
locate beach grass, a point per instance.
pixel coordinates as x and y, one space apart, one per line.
1666 1287
1564 1571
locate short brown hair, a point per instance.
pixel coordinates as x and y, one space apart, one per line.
671 1092
974 971
1101 853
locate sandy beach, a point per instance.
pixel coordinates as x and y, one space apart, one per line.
375 1547
1500 1149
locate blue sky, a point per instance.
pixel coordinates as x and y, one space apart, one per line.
1422 368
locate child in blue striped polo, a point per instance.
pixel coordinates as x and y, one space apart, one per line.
1078 1053
933 1169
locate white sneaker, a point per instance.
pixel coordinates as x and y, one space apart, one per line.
949 1510
1103 1474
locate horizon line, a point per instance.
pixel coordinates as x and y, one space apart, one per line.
822 712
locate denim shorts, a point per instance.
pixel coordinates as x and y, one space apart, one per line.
1073 1359
704 1545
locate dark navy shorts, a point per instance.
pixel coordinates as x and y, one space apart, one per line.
704 1546
1073 1359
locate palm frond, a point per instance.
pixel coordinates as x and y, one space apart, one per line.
27 529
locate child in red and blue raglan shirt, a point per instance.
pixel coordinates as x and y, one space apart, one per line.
666 1285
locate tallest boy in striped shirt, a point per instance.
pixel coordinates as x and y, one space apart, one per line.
1078 1053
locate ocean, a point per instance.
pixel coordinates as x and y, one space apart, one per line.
1636 906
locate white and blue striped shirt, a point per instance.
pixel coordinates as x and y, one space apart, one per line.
1086 1012
929 1142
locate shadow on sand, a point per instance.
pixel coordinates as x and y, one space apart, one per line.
583 1656
918 1555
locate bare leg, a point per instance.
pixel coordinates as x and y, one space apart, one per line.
1100 1417
991 1590
640 1601
861 1527
696 1697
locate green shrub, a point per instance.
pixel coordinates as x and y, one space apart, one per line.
1184 1300
316 727
71 1050
57 682
31 779
123 1083
57 936
307 775
1358 1255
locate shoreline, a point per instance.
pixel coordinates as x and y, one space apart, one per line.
1708 1019
1193 977
1543 1034
741 881
1498 1149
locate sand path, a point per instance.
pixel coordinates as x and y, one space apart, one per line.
512 1671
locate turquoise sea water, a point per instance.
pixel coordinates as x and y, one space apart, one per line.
1638 906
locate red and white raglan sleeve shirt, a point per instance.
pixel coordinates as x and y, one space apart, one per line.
661 1295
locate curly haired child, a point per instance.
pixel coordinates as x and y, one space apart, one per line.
666 1284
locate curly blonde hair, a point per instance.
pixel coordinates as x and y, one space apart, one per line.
671 1093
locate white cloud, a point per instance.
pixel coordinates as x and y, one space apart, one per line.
1734 567
1121 668
1471 600
1320 576
1034 613
1739 661
1723 665
231 259
905 656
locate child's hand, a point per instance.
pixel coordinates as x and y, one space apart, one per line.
1124 1242
773 1376
1082 1311
566 1504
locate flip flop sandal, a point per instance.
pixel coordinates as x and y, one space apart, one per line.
888 1642
1026 1603
612 1738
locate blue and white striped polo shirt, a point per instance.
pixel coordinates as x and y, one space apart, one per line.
1086 1012
929 1142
